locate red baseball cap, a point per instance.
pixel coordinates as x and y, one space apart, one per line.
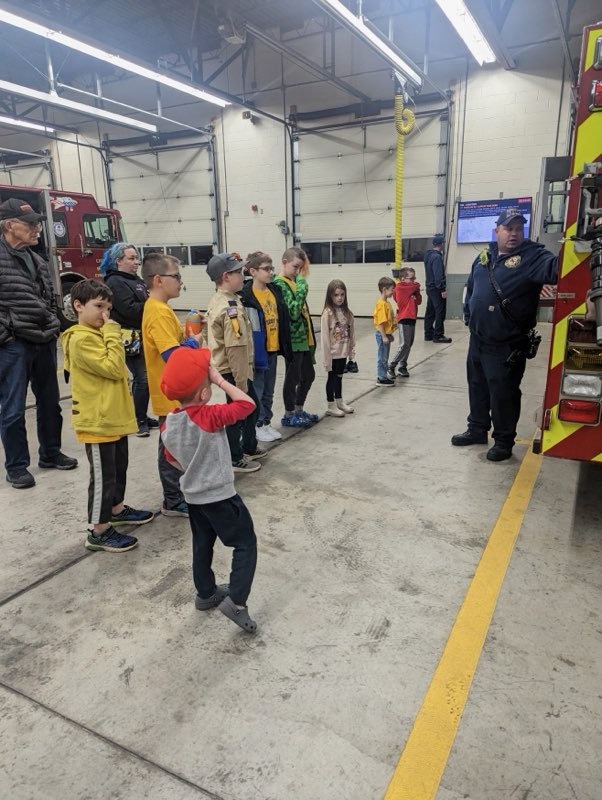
185 371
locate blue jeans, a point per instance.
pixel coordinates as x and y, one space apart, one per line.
264 382
22 363
140 394
382 356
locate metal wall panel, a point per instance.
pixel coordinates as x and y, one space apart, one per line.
165 199
347 191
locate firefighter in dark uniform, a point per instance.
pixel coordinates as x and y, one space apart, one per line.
500 308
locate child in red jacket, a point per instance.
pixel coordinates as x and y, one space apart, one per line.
407 296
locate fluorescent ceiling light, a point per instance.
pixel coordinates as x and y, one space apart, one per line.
54 99
111 58
376 41
22 123
466 27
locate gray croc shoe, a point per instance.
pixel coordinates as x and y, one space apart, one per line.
204 604
238 615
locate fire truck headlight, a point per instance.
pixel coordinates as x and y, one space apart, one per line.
577 385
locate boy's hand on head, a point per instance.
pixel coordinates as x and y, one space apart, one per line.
200 337
214 375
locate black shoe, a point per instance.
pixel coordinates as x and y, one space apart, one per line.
499 453
403 372
143 430
384 382
468 437
352 367
60 462
20 479
152 422
442 340
428 339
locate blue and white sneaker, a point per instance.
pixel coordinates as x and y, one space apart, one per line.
296 421
311 418
111 541
132 516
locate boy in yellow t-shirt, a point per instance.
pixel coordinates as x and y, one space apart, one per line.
161 335
385 324
103 414
270 324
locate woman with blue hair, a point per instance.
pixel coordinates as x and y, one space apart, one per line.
119 267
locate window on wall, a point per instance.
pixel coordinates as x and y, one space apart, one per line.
317 252
380 251
415 248
144 251
200 253
180 252
348 252
367 251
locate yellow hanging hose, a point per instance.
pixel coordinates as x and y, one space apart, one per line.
404 124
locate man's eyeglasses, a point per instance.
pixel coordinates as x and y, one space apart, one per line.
175 275
33 225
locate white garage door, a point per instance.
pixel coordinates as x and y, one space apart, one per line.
165 200
346 203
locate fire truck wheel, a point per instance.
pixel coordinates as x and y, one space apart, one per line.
67 315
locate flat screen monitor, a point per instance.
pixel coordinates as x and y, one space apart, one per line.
476 218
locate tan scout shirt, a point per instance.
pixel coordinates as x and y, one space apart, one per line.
230 337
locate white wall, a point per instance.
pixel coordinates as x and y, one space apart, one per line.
511 122
253 169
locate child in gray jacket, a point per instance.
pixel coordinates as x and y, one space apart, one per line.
196 443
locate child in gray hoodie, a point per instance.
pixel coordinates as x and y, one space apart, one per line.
195 443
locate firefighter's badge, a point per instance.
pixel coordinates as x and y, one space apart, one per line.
513 261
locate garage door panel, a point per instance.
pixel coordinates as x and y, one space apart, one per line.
165 199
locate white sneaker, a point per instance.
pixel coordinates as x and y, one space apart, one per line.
273 432
262 433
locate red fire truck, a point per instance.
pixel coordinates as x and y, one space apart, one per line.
571 425
76 233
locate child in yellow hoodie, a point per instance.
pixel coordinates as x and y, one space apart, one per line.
103 414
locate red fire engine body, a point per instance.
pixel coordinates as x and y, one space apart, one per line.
571 425
74 236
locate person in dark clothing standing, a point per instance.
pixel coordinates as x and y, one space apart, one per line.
29 328
120 268
436 292
511 271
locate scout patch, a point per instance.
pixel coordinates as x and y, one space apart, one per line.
232 312
513 261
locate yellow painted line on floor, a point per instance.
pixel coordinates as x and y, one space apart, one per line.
421 765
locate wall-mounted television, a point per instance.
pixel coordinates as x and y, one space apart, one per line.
476 218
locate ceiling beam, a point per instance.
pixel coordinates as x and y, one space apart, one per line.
208 81
486 22
564 40
297 58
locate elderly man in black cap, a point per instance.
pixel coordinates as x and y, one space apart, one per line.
436 292
500 308
29 328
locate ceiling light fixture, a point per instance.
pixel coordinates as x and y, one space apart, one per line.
111 58
54 99
467 29
22 123
374 38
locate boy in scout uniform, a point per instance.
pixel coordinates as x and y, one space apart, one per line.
231 342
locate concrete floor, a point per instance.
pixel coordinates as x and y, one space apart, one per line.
370 529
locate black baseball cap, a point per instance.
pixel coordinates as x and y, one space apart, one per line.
509 215
221 263
438 239
15 208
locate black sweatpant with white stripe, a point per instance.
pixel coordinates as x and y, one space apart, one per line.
108 470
